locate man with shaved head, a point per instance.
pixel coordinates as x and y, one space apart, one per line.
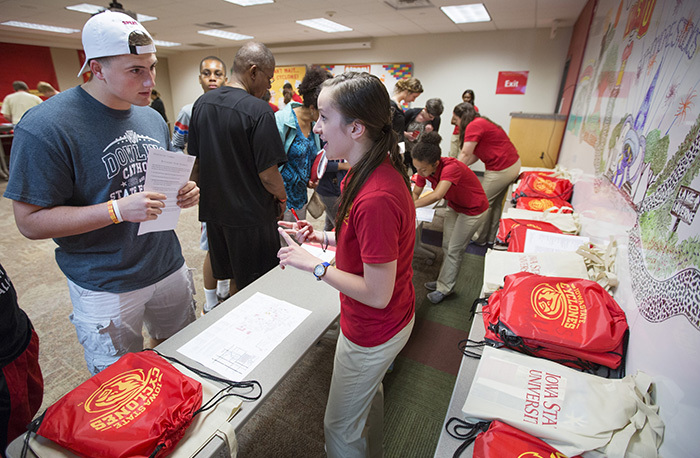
234 135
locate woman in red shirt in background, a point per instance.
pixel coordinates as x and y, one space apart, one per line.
481 138
466 206
374 239
455 143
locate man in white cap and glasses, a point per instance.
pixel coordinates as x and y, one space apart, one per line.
78 169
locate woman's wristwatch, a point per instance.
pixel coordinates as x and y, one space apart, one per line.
320 270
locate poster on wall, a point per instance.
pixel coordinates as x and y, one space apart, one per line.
635 123
511 82
288 74
388 73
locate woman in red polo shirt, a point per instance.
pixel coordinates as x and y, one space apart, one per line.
374 239
483 139
466 206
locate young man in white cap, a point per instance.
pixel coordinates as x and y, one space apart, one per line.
79 165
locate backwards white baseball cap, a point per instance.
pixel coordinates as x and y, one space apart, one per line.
107 34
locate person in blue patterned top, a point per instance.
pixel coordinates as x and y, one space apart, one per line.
295 123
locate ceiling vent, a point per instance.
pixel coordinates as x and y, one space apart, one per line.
408 4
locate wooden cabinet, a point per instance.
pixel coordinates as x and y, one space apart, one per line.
537 137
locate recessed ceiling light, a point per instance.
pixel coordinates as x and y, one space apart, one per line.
167 44
250 2
324 25
86 8
45 28
94 9
461 14
145 18
224 34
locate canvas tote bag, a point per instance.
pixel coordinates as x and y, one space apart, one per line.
572 411
568 223
498 264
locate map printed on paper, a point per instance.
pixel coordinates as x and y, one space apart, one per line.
241 339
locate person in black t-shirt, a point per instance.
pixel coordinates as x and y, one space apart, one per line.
234 134
21 382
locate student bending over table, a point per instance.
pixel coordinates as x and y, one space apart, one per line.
467 206
481 138
375 235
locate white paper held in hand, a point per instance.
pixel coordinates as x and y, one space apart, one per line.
166 172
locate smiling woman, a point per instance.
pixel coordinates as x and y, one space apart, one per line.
375 234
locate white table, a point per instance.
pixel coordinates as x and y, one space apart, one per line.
291 285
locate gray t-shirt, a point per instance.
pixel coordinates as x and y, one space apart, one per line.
73 150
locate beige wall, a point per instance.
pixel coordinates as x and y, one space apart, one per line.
446 64
67 65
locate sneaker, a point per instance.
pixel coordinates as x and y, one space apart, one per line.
436 297
431 285
206 309
222 298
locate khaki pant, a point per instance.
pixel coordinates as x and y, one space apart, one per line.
355 410
454 146
457 231
495 184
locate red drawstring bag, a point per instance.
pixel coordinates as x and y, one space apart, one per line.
540 185
568 320
542 204
502 440
541 173
495 439
139 406
511 231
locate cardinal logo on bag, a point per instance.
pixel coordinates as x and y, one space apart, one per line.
541 204
121 399
560 301
537 455
544 186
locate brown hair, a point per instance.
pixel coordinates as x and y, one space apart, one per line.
410 85
466 113
362 97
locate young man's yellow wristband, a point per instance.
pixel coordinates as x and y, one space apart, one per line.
112 214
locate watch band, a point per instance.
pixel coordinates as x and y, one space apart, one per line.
325 269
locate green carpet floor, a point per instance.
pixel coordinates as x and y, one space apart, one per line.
418 390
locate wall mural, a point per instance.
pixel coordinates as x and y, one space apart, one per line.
636 109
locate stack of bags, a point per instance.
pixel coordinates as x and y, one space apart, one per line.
551 376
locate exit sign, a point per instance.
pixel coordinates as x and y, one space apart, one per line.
511 82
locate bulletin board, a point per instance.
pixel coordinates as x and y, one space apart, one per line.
292 74
389 73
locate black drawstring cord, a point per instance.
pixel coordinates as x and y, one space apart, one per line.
464 431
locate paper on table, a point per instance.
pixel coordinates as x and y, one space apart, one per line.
327 256
425 214
545 242
241 339
166 172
